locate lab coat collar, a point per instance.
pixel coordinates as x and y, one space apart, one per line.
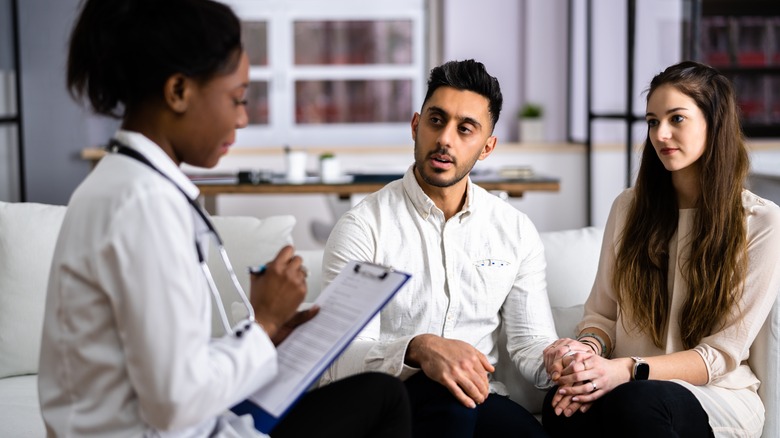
154 153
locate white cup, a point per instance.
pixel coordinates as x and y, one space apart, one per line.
330 170
296 167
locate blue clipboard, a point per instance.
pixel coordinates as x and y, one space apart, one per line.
369 287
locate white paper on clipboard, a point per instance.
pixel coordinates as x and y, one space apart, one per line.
347 304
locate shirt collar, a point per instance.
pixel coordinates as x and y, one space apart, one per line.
423 203
158 158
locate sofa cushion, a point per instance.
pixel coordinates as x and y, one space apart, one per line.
249 241
566 320
572 260
312 260
28 233
20 415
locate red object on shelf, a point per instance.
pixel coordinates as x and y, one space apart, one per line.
751 59
752 109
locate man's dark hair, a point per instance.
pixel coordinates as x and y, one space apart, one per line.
468 75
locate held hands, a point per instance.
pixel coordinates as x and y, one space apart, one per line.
560 351
276 294
457 365
555 352
585 378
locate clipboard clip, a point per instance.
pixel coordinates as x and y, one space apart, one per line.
381 276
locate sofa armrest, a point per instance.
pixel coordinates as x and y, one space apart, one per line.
763 361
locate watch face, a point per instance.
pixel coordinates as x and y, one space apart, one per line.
641 371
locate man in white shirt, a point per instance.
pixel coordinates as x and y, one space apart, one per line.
476 263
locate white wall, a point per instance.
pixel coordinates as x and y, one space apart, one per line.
545 44
55 128
489 32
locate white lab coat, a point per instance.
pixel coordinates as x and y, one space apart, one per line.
127 347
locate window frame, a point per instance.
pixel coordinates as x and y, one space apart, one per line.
282 74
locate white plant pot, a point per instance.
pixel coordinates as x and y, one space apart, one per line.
531 130
330 170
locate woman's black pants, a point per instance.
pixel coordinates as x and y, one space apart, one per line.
640 408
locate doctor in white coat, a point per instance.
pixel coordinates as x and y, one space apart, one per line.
127 347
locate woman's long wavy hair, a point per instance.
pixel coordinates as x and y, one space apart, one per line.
718 259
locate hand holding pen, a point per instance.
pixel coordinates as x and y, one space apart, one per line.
277 289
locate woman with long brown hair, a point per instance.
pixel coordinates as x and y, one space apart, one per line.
689 269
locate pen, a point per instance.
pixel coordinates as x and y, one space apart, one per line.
259 270
256 270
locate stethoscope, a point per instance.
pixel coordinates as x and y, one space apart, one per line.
115 146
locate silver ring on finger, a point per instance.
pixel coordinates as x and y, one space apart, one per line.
595 388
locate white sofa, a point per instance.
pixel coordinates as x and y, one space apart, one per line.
27 236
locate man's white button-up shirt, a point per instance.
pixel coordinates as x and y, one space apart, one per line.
483 267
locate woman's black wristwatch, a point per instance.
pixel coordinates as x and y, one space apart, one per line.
641 369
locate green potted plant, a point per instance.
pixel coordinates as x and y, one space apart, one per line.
330 171
531 123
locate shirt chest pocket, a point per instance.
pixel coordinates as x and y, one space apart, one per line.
495 277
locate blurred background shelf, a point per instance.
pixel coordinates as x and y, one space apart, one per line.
742 40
